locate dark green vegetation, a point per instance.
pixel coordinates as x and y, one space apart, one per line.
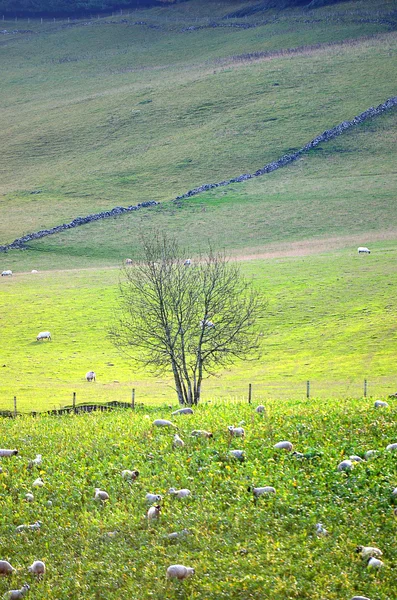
239 548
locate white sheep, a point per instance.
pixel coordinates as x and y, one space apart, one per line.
178 534
178 442
260 409
360 598
152 498
90 376
163 423
236 431
44 335
129 475
37 568
239 454
391 447
6 273
368 551
320 530
29 497
355 458
380 404
283 446
6 568
183 493
34 271
394 492
187 262
34 527
5 452
17 594
374 563
183 411
179 572
363 250
345 465
101 495
370 454
153 512
202 433
38 482
35 462
128 261
259 491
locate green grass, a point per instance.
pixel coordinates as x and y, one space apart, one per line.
239 549
329 320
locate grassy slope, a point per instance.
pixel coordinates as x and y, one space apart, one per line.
80 129
239 549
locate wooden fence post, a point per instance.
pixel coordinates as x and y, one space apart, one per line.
15 407
365 388
307 389
249 393
133 399
74 402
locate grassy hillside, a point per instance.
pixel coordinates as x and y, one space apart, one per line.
108 112
239 548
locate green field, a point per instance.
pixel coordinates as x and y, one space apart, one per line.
239 548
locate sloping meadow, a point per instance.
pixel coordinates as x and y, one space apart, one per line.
239 547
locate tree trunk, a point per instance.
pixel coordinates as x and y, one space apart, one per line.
178 385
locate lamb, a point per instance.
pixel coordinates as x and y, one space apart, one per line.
320 530
35 462
163 423
152 498
355 458
183 411
183 493
178 442
37 568
391 447
90 376
283 446
128 261
6 568
154 512
363 250
236 431
5 452
187 262
345 465
374 563
129 475
260 409
34 527
380 404
38 482
370 454
179 572
18 594
259 491
6 273
29 497
368 551
44 335
201 433
101 495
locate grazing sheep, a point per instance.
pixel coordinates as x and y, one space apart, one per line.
178 442
29 497
163 423
34 527
183 411
17 594
206 323
320 530
183 493
259 491
129 475
6 568
370 454
38 482
152 498
44 335
5 452
394 492
345 465
363 250
90 376
355 458
380 404
101 495
239 454
178 534
37 568
6 273
236 431
154 512
202 433
34 271
360 598
35 462
187 262
260 409
283 446
374 563
128 261
368 551
391 447
179 572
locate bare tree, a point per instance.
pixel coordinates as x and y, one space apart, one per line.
191 320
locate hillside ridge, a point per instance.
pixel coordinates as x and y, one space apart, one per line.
286 159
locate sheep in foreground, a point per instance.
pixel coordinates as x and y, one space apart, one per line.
360 598
6 273
43 335
391 447
259 491
368 551
37 568
260 409
38 482
29 497
183 493
183 411
363 250
129 475
370 454
283 446
5 452
90 376
179 572
374 563
236 431
355 458
239 454
153 512
178 442
34 527
17 594
201 433
6 568
152 498
163 423
101 495
380 404
345 465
